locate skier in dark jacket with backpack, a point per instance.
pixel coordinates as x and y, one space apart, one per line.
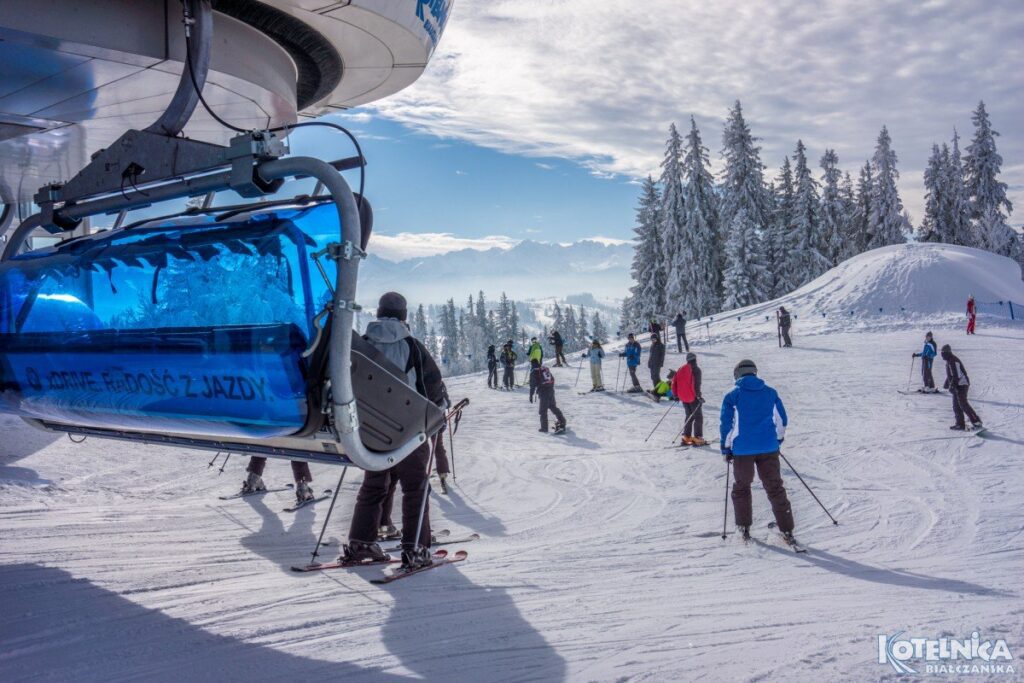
656 359
492 368
542 383
958 383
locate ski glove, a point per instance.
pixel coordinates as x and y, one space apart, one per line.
700 399
914 355
782 440
726 451
727 458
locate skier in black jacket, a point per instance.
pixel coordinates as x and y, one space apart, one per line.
492 368
390 335
958 383
656 359
680 324
784 324
542 382
559 344
508 362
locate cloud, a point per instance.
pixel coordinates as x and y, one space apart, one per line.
599 82
546 167
406 245
607 241
458 172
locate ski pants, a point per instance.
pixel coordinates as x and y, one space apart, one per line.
509 378
681 341
926 373
694 426
492 377
961 406
970 324
595 375
412 474
440 459
632 376
656 376
441 454
560 356
546 396
770 473
786 341
300 470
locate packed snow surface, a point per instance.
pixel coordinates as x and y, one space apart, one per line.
600 558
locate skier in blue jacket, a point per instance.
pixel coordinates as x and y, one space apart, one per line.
753 426
632 354
927 357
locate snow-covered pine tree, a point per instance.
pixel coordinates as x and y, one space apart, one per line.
558 322
933 225
779 278
959 206
860 235
805 259
833 210
431 343
743 192
597 328
648 269
671 226
990 208
694 275
419 323
849 203
503 326
626 317
885 223
746 271
571 332
513 321
582 333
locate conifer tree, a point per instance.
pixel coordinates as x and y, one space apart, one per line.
746 272
779 278
597 328
672 217
959 205
419 325
693 276
571 333
581 321
885 223
933 226
849 202
833 209
804 259
990 207
648 260
861 232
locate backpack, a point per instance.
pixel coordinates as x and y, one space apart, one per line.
546 378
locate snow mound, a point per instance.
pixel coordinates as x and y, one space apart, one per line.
896 286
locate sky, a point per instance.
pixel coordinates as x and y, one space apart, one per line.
535 119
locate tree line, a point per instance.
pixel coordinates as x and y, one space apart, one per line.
704 244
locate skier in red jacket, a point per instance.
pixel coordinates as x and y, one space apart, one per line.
686 387
972 314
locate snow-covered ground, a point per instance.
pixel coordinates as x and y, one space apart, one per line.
600 560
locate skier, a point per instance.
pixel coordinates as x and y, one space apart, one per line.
656 359
632 355
559 344
492 368
542 382
680 324
664 388
654 327
595 353
686 387
753 426
927 356
972 314
508 362
300 471
958 383
390 335
536 351
784 324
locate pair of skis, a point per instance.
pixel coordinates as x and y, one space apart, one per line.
438 559
685 446
290 487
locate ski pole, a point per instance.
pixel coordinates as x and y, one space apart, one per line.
210 464
725 512
670 407
426 494
578 374
451 440
226 457
808 489
687 423
911 377
778 327
618 368
334 499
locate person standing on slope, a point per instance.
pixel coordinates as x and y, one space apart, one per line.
536 351
542 383
680 324
958 383
632 354
753 426
508 363
390 335
654 327
492 368
927 356
300 471
784 324
559 343
972 314
595 353
686 387
656 359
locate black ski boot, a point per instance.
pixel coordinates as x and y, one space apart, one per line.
388 532
303 493
958 428
559 429
361 551
745 533
253 484
415 558
444 482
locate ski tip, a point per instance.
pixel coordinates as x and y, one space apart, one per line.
440 554
459 555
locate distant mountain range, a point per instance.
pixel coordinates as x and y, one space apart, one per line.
529 270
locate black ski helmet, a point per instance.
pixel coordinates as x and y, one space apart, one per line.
744 368
691 356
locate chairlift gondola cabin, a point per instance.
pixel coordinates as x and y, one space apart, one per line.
226 328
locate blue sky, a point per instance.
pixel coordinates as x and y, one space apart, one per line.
422 183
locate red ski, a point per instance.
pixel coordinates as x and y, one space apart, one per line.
459 556
317 566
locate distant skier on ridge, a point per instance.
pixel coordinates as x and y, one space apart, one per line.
972 314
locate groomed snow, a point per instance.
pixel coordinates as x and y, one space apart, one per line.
600 559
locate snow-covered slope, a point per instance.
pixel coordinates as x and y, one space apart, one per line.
900 286
600 559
